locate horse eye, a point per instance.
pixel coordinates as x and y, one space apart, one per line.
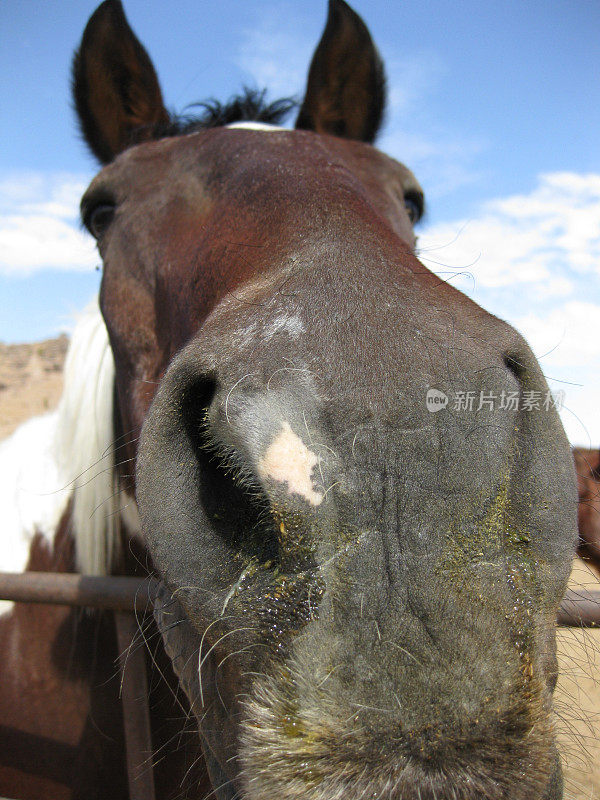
414 207
98 218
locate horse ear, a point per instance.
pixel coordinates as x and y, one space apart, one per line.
115 88
345 93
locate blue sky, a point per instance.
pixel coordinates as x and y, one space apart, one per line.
495 107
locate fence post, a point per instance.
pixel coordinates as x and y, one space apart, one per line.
136 712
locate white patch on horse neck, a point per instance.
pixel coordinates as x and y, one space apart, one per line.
284 323
33 492
288 460
256 126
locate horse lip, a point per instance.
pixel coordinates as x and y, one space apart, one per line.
409 778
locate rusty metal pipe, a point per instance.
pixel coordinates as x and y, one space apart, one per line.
136 712
115 592
579 608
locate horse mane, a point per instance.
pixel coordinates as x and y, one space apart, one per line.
84 442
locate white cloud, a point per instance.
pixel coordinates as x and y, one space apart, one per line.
565 335
39 227
544 238
565 343
534 259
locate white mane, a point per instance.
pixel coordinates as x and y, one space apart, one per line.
65 454
84 443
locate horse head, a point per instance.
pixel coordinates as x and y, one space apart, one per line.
362 542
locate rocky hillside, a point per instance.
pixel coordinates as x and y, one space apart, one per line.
30 380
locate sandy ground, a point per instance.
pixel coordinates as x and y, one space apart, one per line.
578 701
31 382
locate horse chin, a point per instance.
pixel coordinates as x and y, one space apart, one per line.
312 755
405 782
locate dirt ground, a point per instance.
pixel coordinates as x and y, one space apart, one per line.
31 382
578 701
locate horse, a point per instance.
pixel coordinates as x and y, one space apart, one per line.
359 573
587 467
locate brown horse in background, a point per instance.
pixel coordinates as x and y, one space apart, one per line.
587 468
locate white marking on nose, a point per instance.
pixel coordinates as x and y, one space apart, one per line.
256 126
288 323
288 460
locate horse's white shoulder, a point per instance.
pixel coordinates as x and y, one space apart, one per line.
33 493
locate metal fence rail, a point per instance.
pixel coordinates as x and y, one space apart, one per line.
114 593
580 608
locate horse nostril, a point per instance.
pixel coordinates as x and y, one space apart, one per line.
195 400
516 365
231 498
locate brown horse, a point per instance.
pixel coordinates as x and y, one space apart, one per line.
587 467
360 575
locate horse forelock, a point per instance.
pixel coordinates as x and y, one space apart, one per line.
249 106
